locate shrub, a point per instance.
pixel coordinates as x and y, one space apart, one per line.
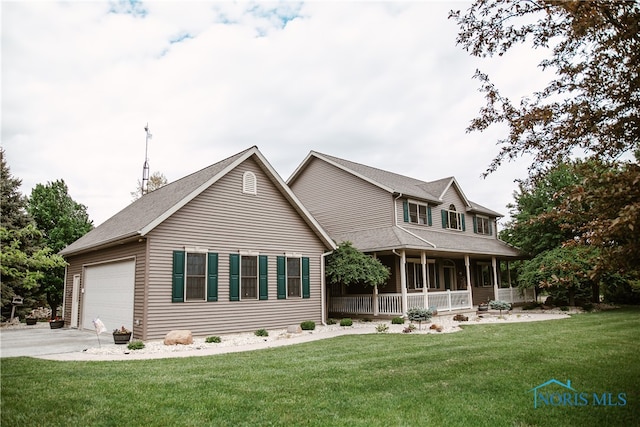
331 322
417 314
397 321
135 345
409 328
308 325
499 305
382 328
261 333
214 339
346 322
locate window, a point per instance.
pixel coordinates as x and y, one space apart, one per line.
485 275
432 274
482 225
294 277
452 220
417 213
249 183
249 277
195 276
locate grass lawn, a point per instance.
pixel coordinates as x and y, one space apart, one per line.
479 376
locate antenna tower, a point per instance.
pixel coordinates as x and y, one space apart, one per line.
145 168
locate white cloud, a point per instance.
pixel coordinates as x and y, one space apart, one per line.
378 83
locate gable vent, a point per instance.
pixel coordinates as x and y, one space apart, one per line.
249 183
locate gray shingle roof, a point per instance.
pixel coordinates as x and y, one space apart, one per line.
148 211
387 238
431 191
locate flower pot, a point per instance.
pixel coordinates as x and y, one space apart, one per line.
56 324
31 321
483 307
121 338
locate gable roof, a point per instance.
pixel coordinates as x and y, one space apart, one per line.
146 213
430 191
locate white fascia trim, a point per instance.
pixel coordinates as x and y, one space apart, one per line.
459 189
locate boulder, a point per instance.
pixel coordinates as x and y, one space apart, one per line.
178 337
294 329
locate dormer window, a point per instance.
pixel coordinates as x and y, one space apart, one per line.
249 183
452 219
482 225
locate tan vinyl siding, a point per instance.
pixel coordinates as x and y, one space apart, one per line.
224 220
135 250
340 201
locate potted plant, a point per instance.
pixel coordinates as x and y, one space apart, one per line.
483 306
31 320
121 336
56 323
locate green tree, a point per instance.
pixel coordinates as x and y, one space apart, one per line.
348 266
61 221
13 204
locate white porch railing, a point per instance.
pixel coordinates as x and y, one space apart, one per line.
515 295
391 304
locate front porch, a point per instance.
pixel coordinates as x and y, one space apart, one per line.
391 304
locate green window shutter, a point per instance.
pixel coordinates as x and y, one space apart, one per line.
429 219
282 280
405 210
177 291
234 277
306 286
475 224
212 276
263 276
462 220
444 218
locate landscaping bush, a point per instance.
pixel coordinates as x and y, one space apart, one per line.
417 314
397 321
382 328
213 339
261 333
499 305
346 322
331 322
135 345
308 325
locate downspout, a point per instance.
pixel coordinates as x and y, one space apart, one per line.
395 211
323 286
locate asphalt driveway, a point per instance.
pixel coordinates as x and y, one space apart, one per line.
40 340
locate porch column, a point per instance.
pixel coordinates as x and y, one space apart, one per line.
509 280
374 304
375 300
425 284
403 280
469 287
495 277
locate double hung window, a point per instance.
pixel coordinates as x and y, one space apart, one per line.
452 220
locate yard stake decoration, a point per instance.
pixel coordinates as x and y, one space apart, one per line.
100 328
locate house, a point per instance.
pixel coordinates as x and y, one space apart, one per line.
229 248
442 249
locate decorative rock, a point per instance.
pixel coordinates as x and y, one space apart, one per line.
460 318
178 337
294 329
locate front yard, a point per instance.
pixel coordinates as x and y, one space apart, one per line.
479 376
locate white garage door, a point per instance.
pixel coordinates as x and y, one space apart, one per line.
108 295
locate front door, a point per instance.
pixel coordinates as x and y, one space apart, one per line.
449 276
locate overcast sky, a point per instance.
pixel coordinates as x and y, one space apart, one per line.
382 84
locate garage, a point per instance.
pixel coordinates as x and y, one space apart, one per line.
108 294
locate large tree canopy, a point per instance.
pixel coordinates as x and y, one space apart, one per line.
592 105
